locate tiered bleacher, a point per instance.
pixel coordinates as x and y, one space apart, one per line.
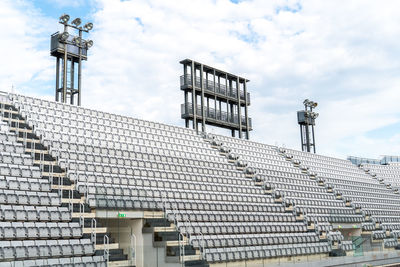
388 174
364 191
121 162
232 199
35 230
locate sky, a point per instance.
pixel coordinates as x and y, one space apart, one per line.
343 54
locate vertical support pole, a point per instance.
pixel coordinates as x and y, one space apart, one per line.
239 107
246 110
194 108
79 71
203 113
208 107
226 91
64 90
307 137
186 107
302 138
215 96
71 91
313 137
57 78
220 110
186 103
227 112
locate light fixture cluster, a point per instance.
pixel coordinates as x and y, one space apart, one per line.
76 40
310 104
309 113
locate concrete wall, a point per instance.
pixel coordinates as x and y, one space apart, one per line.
122 229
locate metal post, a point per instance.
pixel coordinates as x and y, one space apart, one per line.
79 71
186 109
245 110
313 137
185 82
301 136
203 114
57 78
72 82
215 96
64 92
194 108
239 107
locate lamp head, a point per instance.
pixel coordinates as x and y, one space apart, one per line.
89 44
64 18
77 40
63 37
77 22
88 26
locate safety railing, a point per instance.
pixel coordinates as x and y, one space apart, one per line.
211 113
218 88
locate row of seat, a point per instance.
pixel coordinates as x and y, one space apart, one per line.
214 241
19 170
24 184
86 261
19 197
39 230
256 252
28 249
34 213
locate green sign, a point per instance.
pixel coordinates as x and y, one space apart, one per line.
121 215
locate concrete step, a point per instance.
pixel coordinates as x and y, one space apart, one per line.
97 230
119 263
110 246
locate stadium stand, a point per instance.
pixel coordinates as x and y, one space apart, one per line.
207 200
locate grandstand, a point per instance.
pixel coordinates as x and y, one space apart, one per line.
81 187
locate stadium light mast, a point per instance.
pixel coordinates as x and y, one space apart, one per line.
306 119
70 51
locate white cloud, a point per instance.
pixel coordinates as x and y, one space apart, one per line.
345 55
24 61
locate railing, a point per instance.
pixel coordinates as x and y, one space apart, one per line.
211 113
208 85
106 242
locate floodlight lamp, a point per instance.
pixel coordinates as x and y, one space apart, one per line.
63 37
305 102
64 18
315 104
77 22
88 26
77 40
89 44
314 115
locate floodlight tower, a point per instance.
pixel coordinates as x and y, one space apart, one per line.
306 119
70 51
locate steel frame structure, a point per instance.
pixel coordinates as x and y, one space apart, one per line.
69 51
227 93
306 120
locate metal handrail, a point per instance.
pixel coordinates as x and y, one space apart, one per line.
208 85
181 242
106 242
93 225
211 113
